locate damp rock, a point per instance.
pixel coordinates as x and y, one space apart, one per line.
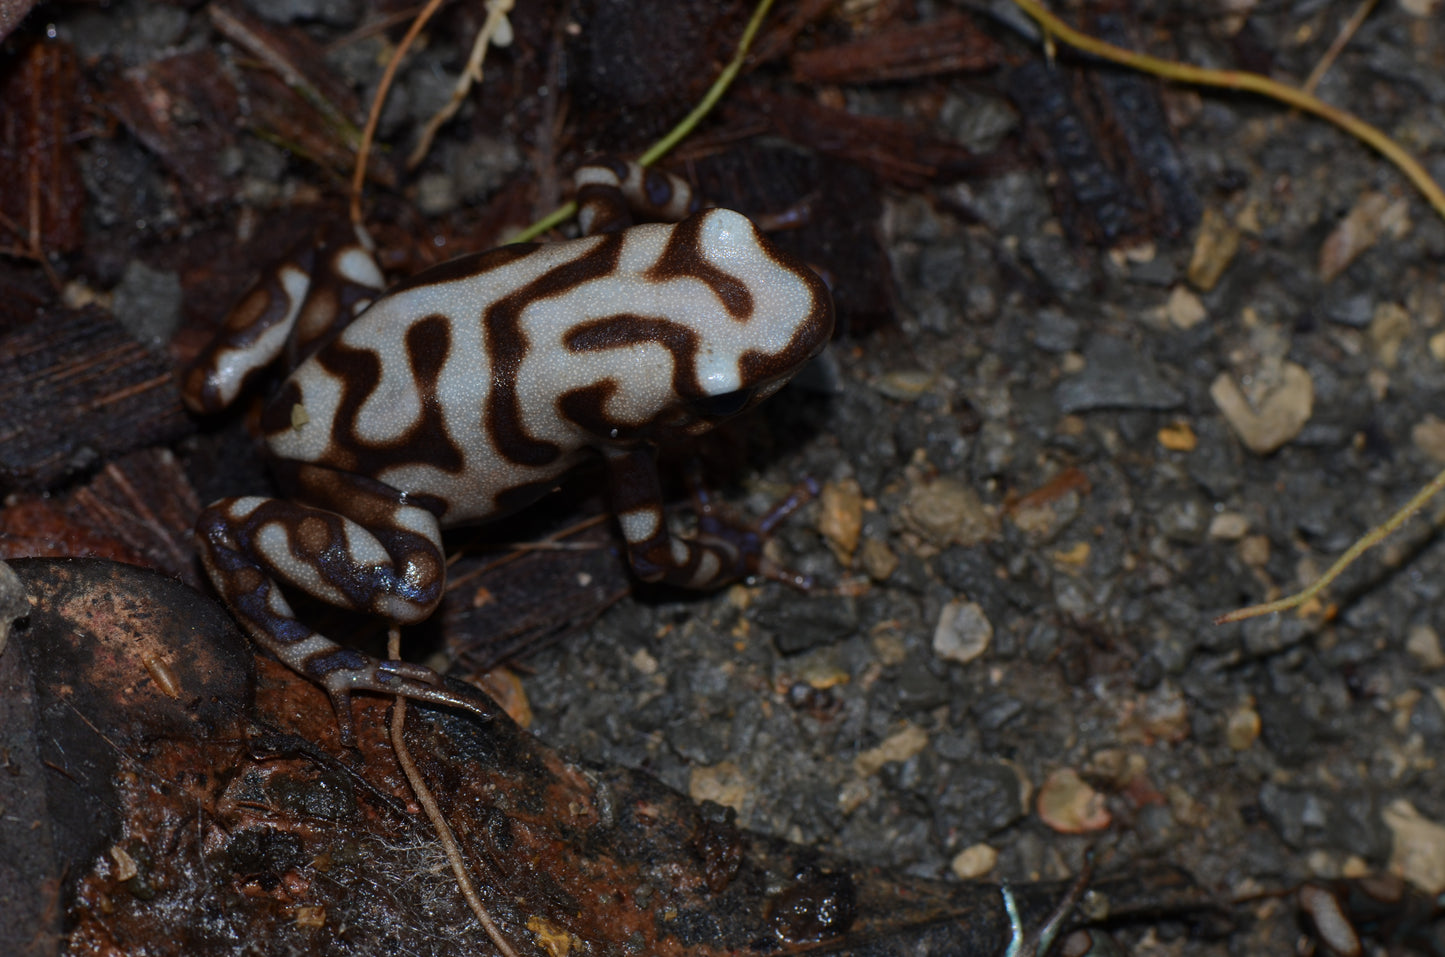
963 632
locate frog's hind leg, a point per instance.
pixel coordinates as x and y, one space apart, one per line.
392 566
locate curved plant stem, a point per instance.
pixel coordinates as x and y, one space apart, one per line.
358 175
1363 544
660 149
497 11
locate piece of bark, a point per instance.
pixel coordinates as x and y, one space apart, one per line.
43 198
76 389
293 97
896 151
500 609
109 660
1118 177
949 44
146 501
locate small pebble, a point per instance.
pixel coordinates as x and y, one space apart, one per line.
877 559
1419 846
1254 550
722 783
1276 418
1228 526
1242 728
1423 644
1184 309
853 794
643 661
1164 714
1178 437
963 632
1437 346
973 862
1075 556
1429 437
1372 216
1389 326
896 747
946 512
888 645
1068 805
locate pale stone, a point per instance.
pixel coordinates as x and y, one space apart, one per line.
1423 644
974 862
723 783
1067 804
1185 309
963 632
1419 852
1429 437
1279 416
840 517
1228 526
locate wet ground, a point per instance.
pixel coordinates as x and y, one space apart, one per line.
1034 506
1255 755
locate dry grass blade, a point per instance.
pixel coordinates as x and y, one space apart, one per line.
492 30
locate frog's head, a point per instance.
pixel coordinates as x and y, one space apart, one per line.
738 316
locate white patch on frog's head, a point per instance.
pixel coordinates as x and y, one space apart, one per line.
730 241
717 371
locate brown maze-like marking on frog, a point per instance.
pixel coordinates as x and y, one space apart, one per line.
428 346
586 405
507 346
682 258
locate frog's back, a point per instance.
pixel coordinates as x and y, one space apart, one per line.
401 394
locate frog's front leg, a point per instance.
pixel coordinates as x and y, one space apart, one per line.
391 566
702 561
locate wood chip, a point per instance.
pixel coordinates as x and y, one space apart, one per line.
1372 216
840 517
1214 248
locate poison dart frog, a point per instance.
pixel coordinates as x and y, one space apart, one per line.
463 393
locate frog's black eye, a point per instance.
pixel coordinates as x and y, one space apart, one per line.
722 406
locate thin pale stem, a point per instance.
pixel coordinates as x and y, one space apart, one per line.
434 811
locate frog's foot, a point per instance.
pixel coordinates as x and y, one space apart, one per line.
345 671
745 539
